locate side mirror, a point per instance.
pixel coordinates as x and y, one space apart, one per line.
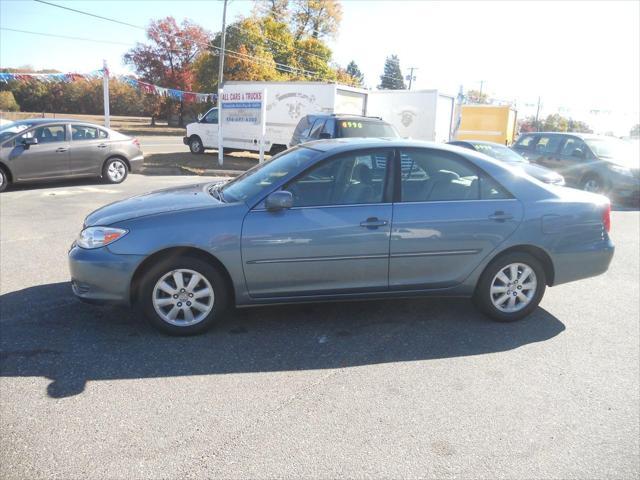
200 116
27 142
279 200
325 135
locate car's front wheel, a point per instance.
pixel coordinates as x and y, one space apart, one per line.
4 180
511 287
195 145
115 170
594 184
183 296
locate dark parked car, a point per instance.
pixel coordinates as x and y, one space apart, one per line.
505 154
324 126
591 162
343 219
54 148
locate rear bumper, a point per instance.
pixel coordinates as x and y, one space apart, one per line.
99 276
589 261
136 163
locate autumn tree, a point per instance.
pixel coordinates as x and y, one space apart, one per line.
316 18
477 97
168 56
8 102
392 78
354 72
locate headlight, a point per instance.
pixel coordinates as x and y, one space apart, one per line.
96 237
621 170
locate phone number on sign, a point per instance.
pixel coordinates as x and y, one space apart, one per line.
236 119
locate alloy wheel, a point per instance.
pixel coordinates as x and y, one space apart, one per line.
183 297
513 287
116 170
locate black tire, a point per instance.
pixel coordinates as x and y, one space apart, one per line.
483 297
195 145
4 180
115 170
215 279
594 183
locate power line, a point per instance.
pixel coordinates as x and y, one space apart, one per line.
67 37
91 14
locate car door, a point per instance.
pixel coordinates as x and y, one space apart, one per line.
89 148
49 158
209 128
547 151
446 219
573 160
335 238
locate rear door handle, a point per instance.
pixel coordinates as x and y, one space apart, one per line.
373 222
61 149
102 145
500 216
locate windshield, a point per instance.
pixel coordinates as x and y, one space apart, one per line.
499 152
8 131
263 175
614 149
356 128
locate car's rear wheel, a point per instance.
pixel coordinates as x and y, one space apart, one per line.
511 287
594 184
195 145
115 170
183 296
4 180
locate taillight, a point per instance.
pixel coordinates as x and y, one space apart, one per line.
606 217
136 142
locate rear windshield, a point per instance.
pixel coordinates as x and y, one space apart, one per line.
358 128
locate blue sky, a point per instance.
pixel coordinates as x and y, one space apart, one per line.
580 57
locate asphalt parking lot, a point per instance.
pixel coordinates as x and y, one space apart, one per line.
405 388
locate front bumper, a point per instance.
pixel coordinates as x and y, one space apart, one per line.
185 140
100 276
136 163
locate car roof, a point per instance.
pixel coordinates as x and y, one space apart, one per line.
40 121
478 142
564 134
347 116
354 143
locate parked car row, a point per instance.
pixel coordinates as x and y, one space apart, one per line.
49 149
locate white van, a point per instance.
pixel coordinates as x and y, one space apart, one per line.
286 104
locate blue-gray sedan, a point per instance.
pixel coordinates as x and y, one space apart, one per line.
343 219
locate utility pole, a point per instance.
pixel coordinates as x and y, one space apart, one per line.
105 93
410 77
480 96
537 114
220 80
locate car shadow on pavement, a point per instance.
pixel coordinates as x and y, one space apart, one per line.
48 333
68 182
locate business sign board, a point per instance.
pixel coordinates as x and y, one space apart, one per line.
242 107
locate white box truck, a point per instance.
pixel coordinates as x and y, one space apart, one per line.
419 114
286 104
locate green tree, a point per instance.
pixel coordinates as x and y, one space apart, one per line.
8 102
354 71
392 78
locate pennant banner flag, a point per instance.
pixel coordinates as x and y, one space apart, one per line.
138 84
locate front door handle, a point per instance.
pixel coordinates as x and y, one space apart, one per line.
373 222
500 216
61 149
102 145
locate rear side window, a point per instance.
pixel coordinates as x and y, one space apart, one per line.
432 176
492 190
574 147
82 132
548 144
525 142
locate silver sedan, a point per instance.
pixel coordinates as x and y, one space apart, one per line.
51 149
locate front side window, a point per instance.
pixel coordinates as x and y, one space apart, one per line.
46 134
574 147
211 117
264 175
348 179
317 128
432 175
329 127
81 132
548 144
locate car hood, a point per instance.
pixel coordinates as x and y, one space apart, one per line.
536 171
160 201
